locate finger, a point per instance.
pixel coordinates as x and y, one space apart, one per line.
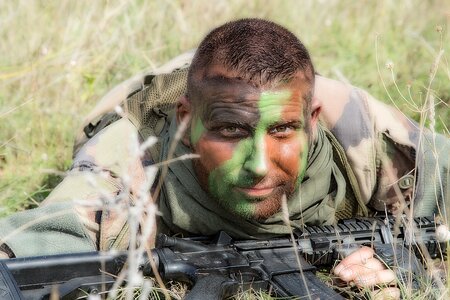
383 277
350 272
360 256
390 293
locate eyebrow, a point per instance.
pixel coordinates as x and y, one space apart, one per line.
298 123
225 119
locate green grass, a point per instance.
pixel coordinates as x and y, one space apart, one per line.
59 57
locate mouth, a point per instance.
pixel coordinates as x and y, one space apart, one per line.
256 192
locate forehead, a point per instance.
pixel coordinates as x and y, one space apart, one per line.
221 88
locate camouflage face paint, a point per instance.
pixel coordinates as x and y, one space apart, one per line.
235 182
223 179
252 143
197 130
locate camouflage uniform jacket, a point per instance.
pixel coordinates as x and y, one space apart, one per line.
388 161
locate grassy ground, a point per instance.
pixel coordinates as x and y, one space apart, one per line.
59 57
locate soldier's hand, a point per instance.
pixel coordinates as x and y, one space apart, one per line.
366 271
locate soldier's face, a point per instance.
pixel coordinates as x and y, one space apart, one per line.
252 142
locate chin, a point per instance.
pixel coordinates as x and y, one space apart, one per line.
260 212
267 208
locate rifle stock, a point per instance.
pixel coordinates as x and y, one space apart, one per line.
221 267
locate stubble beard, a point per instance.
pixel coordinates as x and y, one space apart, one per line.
266 208
262 208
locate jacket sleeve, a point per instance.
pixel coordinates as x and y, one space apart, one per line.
51 229
87 211
396 163
106 178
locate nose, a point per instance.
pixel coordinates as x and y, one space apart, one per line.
256 161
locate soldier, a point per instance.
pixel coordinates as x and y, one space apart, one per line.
265 128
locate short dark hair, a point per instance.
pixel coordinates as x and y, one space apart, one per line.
259 51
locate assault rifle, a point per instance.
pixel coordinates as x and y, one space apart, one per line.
220 267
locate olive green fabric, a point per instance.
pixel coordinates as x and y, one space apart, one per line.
51 229
354 204
435 175
150 109
186 208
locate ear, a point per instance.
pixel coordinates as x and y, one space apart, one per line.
184 114
316 107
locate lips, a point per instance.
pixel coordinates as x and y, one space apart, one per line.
256 192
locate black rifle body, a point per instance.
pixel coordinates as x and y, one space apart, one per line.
220 267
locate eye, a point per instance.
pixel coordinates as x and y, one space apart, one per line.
282 128
282 131
232 131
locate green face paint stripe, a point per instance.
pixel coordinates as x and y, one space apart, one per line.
304 161
257 161
227 175
276 99
197 130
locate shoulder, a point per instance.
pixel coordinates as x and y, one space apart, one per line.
117 95
379 141
146 99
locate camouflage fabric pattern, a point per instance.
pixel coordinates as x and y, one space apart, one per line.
105 175
381 145
389 154
382 149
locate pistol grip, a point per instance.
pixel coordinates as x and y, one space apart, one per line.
211 287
